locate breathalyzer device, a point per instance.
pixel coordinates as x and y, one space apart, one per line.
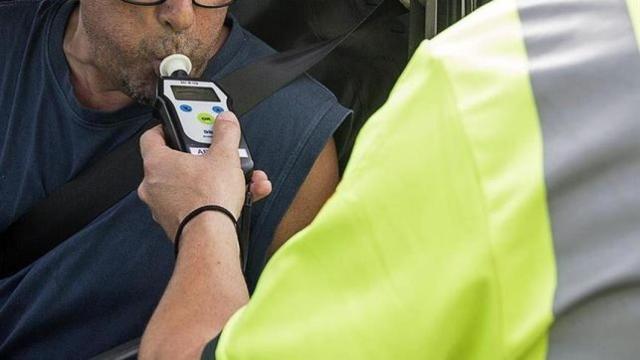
189 107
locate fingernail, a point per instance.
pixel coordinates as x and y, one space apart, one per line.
225 116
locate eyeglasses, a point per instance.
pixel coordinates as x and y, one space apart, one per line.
209 4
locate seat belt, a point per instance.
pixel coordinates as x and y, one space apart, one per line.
70 208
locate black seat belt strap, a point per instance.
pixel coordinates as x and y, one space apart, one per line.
71 207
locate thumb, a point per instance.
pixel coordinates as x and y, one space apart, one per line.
226 132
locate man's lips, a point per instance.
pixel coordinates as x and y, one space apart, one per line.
155 63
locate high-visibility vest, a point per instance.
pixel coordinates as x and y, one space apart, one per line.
491 209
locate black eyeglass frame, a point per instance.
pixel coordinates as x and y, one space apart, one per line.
195 2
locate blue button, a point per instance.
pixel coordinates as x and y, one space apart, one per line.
217 109
186 108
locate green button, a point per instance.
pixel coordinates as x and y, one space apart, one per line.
206 118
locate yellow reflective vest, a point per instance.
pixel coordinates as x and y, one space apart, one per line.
490 209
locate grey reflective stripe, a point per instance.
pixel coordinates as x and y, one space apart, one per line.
585 73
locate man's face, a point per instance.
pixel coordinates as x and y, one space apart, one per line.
128 41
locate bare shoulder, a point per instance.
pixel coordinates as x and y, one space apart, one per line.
318 186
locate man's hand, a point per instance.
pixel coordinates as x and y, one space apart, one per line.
175 183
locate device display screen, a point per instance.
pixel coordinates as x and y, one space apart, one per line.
194 93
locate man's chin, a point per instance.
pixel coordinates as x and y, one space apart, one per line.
144 99
144 96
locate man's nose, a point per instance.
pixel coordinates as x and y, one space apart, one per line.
177 14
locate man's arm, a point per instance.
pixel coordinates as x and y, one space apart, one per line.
206 288
207 285
319 185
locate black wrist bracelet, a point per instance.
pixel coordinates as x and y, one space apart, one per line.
197 212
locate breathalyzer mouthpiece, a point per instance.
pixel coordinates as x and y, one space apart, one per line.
176 65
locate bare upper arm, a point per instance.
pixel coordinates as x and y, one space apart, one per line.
315 190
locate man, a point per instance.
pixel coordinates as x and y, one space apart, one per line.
77 80
490 210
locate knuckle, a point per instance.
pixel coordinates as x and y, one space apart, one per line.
151 163
144 136
144 139
150 182
147 168
142 192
